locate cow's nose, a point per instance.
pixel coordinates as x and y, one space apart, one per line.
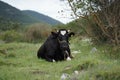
65 47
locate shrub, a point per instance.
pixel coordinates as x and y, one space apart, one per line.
10 36
37 32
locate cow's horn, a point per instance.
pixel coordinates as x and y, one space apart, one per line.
69 30
57 30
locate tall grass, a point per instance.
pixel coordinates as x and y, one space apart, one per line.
18 61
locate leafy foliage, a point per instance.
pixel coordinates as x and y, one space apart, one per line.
11 36
101 15
6 24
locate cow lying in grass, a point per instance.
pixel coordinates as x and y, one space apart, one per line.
56 47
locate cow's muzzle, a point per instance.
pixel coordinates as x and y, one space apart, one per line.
64 45
67 56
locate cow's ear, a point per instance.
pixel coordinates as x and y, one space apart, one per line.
55 34
71 34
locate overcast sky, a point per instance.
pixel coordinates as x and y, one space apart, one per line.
47 7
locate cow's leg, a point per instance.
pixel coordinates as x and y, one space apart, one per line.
67 56
50 57
59 57
70 55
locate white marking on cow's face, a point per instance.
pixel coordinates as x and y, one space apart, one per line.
63 32
68 59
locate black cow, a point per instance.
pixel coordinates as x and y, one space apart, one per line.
56 47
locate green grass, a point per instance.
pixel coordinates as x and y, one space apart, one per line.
18 61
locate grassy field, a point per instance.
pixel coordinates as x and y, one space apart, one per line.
18 61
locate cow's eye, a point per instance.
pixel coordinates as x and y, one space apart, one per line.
66 36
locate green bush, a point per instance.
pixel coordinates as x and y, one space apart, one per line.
11 36
37 32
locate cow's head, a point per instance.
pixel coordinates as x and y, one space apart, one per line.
63 36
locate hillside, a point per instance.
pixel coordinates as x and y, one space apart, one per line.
41 17
11 13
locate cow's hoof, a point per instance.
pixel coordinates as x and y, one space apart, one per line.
68 59
53 60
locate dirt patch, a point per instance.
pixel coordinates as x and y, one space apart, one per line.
39 72
85 66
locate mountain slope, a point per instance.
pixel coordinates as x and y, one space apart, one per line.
14 14
41 17
11 13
